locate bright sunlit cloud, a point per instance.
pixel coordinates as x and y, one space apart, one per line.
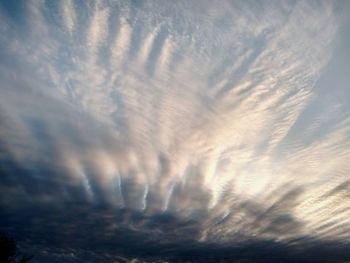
214 111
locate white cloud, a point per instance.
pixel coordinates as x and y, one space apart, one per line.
199 120
69 15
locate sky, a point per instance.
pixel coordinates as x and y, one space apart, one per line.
166 131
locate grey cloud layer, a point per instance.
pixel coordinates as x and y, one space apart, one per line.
198 109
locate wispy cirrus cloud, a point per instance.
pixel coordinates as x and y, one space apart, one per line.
207 112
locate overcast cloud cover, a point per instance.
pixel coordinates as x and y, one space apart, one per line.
173 130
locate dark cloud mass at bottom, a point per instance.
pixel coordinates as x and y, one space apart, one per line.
104 235
185 131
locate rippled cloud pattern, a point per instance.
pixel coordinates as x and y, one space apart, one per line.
210 123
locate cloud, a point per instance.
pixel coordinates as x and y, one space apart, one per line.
69 15
208 115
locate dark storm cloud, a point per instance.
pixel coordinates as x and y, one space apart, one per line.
121 235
